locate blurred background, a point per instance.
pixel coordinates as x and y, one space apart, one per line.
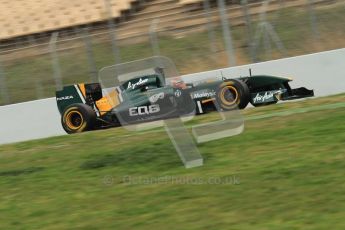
45 44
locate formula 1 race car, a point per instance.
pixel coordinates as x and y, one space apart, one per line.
148 98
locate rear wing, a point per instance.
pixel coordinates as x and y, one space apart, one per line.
78 93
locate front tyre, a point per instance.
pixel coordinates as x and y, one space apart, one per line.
233 94
78 118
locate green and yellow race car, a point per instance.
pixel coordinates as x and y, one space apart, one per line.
149 97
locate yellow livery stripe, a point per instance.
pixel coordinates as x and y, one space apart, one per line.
82 89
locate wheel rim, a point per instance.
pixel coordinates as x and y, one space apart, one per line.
74 120
229 95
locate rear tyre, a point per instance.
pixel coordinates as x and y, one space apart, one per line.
78 118
233 94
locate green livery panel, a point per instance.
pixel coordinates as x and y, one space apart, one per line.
67 96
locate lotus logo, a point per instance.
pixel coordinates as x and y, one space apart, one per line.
178 93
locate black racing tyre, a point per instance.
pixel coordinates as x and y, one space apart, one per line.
78 118
233 94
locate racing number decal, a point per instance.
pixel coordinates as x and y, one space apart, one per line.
144 110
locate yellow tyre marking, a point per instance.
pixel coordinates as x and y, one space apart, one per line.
232 90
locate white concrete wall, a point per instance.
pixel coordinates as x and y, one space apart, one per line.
324 72
29 120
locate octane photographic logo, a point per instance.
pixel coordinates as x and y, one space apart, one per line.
140 82
154 98
109 180
229 123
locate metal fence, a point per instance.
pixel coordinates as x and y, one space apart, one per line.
225 36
